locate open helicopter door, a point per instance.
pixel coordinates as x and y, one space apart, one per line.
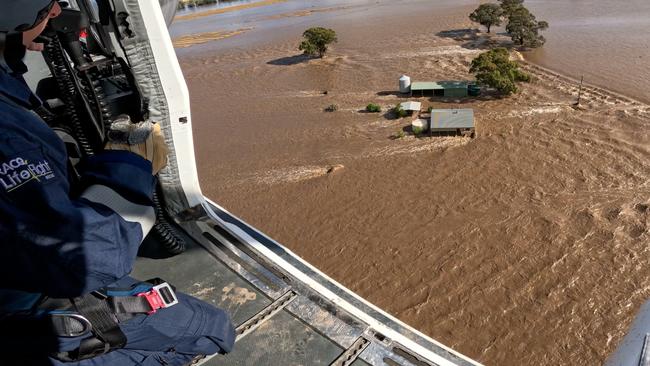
285 310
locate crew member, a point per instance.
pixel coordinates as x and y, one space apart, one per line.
65 294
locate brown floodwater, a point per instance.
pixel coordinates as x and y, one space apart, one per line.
527 245
606 41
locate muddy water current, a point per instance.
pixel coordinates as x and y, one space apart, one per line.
606 41
527 245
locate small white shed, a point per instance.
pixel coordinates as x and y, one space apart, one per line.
411 106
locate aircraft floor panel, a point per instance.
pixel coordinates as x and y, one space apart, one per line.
281 340
197 273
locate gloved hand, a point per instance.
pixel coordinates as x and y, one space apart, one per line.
143 138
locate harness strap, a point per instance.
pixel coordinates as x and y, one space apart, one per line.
105 324
107 334
129 305
105 310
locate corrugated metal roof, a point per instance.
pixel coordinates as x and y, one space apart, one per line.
452 118
454 84
425 85
411 106
438 85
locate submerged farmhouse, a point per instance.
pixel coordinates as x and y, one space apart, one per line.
457 121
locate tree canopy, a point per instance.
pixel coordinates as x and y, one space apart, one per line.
524 28
495 69
316 41
487 15
509 6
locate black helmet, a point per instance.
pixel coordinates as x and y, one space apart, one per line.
21 15
16 17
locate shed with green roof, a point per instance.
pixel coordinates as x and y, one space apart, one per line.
449 88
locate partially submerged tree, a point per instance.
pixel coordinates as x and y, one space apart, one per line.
487 15
522 25
524 28
495 69
399 112
332 108
316 41
373 108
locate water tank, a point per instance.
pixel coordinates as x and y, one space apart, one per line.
404 84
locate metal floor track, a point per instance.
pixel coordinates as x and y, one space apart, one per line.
266 335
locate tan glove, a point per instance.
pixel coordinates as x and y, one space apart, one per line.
145 139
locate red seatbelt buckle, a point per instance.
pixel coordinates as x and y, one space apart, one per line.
160 297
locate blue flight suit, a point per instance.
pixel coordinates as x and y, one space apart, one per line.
60 246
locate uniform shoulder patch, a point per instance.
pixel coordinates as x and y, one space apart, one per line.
21 168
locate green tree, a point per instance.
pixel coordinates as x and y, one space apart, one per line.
316 41
509 6
495 69
524 28
487 15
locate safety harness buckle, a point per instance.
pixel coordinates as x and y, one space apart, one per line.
69 325
160 297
